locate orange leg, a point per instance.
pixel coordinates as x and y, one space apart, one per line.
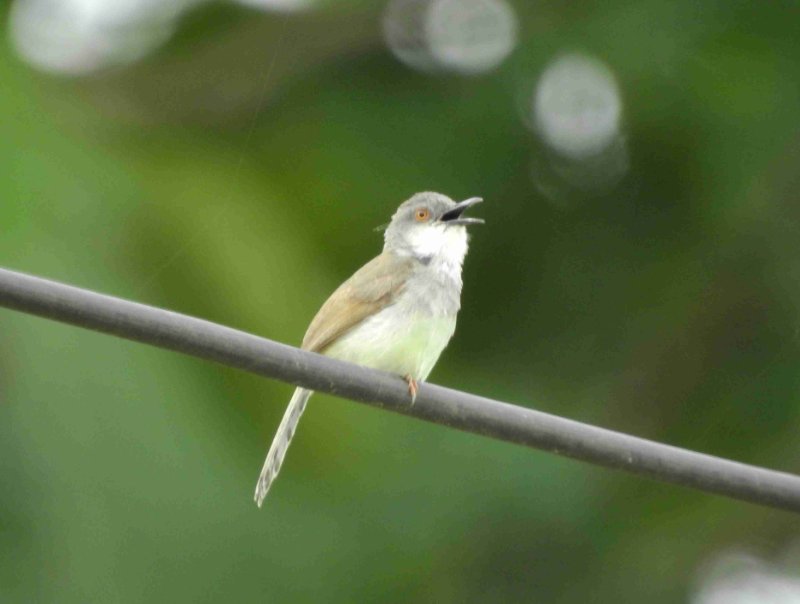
413 387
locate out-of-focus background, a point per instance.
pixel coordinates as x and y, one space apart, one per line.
639 269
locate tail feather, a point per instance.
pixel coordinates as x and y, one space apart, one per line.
280 443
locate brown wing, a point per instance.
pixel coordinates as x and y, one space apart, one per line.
371 288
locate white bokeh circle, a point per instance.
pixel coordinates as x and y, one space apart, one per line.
577 107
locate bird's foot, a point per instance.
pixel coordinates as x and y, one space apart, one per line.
413 387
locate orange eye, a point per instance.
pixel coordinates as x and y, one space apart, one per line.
422 214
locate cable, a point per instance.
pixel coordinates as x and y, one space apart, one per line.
461 410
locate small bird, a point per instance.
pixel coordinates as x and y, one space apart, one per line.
396 313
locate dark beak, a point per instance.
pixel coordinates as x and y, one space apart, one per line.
455 216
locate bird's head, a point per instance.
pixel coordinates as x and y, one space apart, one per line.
431 226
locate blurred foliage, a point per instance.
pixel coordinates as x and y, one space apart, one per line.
238 174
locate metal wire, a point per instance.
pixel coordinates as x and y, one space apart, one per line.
436 404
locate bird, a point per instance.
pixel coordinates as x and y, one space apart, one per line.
397 313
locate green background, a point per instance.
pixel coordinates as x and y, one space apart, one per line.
202 180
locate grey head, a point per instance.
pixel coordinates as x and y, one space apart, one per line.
430 226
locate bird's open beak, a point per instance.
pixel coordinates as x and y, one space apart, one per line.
455 216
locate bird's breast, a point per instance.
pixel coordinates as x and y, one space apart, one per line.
402 338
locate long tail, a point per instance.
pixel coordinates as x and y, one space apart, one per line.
280 443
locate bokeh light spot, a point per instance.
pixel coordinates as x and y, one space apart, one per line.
81 37
738 578
468 37
76 37
577 106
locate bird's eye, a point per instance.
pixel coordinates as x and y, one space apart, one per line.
422 214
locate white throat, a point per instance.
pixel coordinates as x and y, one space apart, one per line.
439 246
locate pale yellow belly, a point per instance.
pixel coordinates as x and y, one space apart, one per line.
397 342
